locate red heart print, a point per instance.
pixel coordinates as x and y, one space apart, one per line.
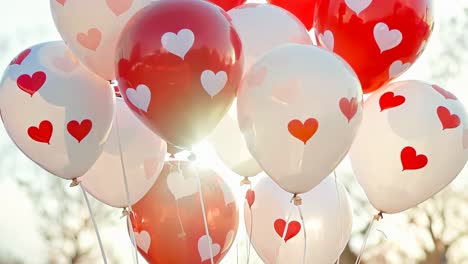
411 161
447 119
90 40
348 107
292 230
389 100
31 83
42 133
79 130
303 131
62 2
444 93
250 197
20 58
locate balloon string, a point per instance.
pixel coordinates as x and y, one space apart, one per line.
202 203
124 173
377 217
104 259
237 251
177 205
250 232
284 234
304 260
339 210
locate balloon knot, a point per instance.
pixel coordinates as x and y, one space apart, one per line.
378 216
245 181
74 182
124 213
296 199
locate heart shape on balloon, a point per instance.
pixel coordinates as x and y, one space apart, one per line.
213 83
42 133
385 38
62 2
447 119
143 240
180 186
31 83
328 39
411 161
250 197
397 68
389 100
119 7
358 5
21 57
303 131
204 244
446 94
79 130
91 39
348 107
293 228
140 97
178 44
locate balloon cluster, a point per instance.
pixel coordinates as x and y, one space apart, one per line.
177 67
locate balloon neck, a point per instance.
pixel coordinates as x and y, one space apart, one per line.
74 182
124 213
378 216
297 200
245 181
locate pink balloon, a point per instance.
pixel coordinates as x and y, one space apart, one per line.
143 154
91 29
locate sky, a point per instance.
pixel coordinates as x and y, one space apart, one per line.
28 22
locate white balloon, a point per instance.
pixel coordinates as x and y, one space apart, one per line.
411 144
91 29
230 147
143 154
262 27
299 108
327 216
55 110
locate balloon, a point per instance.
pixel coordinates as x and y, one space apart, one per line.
411 144
230 147
143 153
327 217
168 221
380 39
56 111
227 4
91 29
179 67
263 27
304 10
299 108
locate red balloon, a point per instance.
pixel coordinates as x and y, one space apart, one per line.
179 67
380 39
304 10
228 4
168 220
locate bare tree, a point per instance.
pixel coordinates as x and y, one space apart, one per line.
64 221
